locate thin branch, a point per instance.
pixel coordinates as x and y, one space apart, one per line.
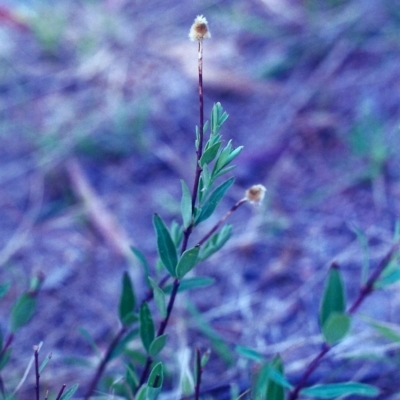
199 149
310 369
189 229
366 290
199 371
104 361
37 374
222 220
61 392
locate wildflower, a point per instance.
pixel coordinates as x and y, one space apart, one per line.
255 194
199 29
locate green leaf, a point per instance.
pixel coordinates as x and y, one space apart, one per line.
216 242
155 381
159 298
22 311
127 302
187 261
70 392
277 376
204 185
191 283
275 391
205 358
157 345
223 171
176 233
142 259
142 393
4 289
222 158
209 155
330 391
131 377
390 275
86 335
211 203
146 328
333 299
121 347
186 205
336 327
218 117
165 245
234 153
390 331
220 347
44 363
249 353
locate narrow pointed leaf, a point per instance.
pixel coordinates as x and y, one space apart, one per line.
187 261
249 353
331 391
333 299
216 242
275 391
127 302
191 283
211 203
157 345
155 381
44 363
121 347
142 393
70 392
224 171
209 155
233 154
89 339
159 298
22 311
388 330
147 331
336 327
142 259
186 205
165 245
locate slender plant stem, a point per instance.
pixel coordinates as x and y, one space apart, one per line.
367 289
189 229
61 392
199 370
37 374
104 361
8 343
199 149
369 285
310 369
221 221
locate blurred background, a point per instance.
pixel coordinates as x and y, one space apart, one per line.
98 106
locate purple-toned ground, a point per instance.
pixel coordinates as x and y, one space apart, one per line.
104 94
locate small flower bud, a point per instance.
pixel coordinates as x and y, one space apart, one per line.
255 194
199 29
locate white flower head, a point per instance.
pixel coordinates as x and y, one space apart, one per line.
199 30
255 194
